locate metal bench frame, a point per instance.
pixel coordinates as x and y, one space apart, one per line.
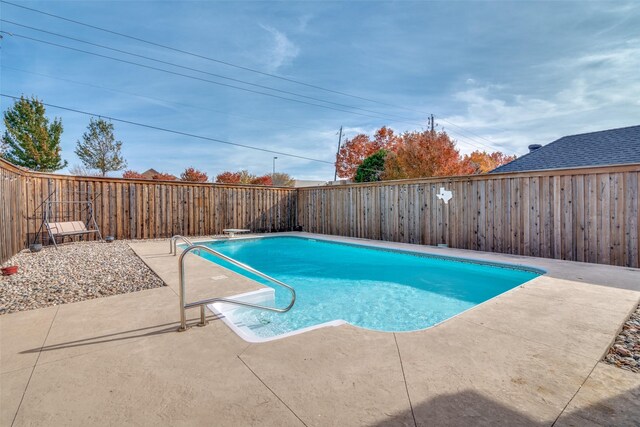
91 221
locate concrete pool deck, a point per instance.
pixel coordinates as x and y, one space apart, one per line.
528 357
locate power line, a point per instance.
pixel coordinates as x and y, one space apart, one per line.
191 53
203 79
184 133
198 70
187 134
468 131
176 132
224 84
153 98
224 62
230 78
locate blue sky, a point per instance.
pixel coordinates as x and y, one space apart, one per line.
497 75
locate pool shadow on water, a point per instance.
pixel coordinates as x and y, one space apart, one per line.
129 334
470 408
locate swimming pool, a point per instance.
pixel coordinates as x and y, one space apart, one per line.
373 288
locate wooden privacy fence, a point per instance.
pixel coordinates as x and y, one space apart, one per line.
588 215
11 210
137 209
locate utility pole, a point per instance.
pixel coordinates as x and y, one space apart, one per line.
335 175
274 167
432 124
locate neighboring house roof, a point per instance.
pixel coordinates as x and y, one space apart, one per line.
606 147
150 173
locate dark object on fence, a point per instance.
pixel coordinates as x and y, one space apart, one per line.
109 239
35 247
8 271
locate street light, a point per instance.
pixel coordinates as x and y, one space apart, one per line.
274 166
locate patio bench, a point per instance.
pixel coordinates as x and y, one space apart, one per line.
68 229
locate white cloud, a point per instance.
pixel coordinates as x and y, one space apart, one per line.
282 50
587 92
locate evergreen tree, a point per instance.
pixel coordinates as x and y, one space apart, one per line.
29 140
372 167
99 149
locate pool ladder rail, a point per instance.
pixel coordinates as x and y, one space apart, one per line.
202 303
173 243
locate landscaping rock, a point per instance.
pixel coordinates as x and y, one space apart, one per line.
625 352
74 272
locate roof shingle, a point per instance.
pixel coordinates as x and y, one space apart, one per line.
607 147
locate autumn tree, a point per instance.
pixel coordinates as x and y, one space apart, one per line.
262 180
163 176
194 175
372 167
281 179
353 152
243 177
386 139
133 175
424 154
228 178
99 149
482 162
29 139
246 177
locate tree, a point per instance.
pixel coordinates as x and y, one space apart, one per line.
243 177
162 176
246 177
483 162
262 180
194 175
99 148
424 154
228 178
353 152
82 171
385 138
29 140
372 167
280 179
133 175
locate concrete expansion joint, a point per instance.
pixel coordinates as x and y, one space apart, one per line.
575 394
245 349
271 390
35 365
404 378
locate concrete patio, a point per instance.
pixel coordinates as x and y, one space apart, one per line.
528 357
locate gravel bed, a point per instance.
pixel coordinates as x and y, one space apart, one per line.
75 272
625 352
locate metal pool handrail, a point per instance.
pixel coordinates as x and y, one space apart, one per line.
184 305
173 242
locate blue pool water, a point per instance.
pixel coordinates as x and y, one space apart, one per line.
370 288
